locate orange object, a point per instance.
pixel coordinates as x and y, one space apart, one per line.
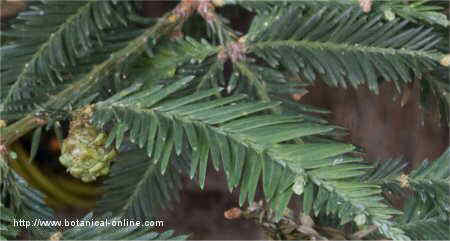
54 145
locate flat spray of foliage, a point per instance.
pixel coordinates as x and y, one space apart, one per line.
158 88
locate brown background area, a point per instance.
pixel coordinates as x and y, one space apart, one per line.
381 125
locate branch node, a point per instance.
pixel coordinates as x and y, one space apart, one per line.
235 51
366 5
206 9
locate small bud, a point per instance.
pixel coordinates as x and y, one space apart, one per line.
366 5
360 219
403 180
298 96
299 185
446 60
389 15
233 213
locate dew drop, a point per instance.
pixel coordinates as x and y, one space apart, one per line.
229 88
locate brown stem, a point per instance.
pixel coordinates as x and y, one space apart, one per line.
13 132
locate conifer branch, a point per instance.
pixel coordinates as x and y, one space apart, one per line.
347 47
86 58
164 26
54 37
